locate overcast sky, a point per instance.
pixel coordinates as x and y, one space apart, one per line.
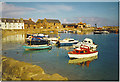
101 13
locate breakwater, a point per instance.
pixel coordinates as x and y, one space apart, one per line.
16 70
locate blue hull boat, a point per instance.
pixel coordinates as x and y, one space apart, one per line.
67 44
37 47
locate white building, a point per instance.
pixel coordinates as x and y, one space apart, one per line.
11 23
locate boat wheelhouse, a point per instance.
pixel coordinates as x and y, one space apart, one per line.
87 42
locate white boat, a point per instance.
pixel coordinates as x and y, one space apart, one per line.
105 32
87 42
83 52
52 40
67 42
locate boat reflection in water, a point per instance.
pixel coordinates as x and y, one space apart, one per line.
66 47
29 55
82 61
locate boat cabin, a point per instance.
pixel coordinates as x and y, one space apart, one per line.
80 51
88 40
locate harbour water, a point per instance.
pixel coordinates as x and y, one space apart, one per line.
56 60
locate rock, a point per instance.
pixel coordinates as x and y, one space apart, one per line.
17 70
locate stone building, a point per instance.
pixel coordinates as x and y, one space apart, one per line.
48 24
11 23
81 25
73 25
29 24
76 25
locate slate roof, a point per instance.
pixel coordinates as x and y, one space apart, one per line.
29 22
49 21
53 21
11 20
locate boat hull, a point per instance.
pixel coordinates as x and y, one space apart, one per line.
82 55
40 47
67 44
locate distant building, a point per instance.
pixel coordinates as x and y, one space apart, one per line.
11 23
81 25
29 24
75 25
48 24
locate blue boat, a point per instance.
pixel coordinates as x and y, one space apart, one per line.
37 47
66 42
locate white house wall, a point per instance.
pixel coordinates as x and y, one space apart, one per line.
11 25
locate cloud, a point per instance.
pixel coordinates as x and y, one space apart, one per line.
0 9
53 8
91 20
9 10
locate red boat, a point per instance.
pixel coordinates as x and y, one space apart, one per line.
82 52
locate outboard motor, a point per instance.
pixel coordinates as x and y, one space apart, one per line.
58 43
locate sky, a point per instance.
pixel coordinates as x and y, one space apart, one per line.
100 13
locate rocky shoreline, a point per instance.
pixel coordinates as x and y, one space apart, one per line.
14 70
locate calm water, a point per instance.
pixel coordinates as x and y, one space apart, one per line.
105 67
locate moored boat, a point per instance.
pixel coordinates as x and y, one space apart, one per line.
52 40
66 42
97 32
87 42
82 52
36 47
105 32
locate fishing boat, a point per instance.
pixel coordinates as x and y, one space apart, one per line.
36 47
87 42
36 44
36 41
66 42
82 52
36 35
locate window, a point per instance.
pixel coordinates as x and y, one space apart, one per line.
54 23
88 41
81 51
85 41
71 40
22 27
77 51
85 51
